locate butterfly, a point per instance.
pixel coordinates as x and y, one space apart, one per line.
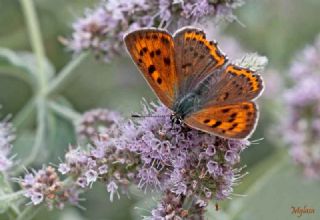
193 78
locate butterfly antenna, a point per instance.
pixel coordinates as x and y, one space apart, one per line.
148 116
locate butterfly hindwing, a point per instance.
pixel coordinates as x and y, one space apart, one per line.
236 84
196 58
153 52
230 120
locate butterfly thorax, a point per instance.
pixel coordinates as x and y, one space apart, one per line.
191 102
186 105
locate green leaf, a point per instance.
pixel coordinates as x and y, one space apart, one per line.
71 214
23 143
60 135
22 65
273 196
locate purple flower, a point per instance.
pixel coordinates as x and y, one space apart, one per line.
232 157
63 168
112 188
29 180
76 156
101 29
213 168
103 169
91 176
211 150
180 188
171 207
82 182
301 127
197 9
73 195
36 197
94 122
148 177
6 138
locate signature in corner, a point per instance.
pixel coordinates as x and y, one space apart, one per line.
299 211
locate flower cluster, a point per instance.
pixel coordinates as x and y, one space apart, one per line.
6 138
302 127
185 162
102 162
155 154
45 185
171 207
95 122
101 29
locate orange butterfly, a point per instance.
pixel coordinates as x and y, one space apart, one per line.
193 78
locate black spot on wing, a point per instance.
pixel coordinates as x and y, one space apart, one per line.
217 124
206 121
167 61
226 110
233 126
151 69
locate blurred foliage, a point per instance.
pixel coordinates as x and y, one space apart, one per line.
274 28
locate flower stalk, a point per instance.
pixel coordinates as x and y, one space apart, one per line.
36 40
65 75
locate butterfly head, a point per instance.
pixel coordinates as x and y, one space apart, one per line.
176 119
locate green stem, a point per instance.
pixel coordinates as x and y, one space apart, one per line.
65 112
40 134
65 75
11 196
36 40
38 49
29 212
7 195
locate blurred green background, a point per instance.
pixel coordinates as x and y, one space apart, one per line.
273 28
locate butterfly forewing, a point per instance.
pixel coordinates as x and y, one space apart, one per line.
196 58
231 121
153 52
